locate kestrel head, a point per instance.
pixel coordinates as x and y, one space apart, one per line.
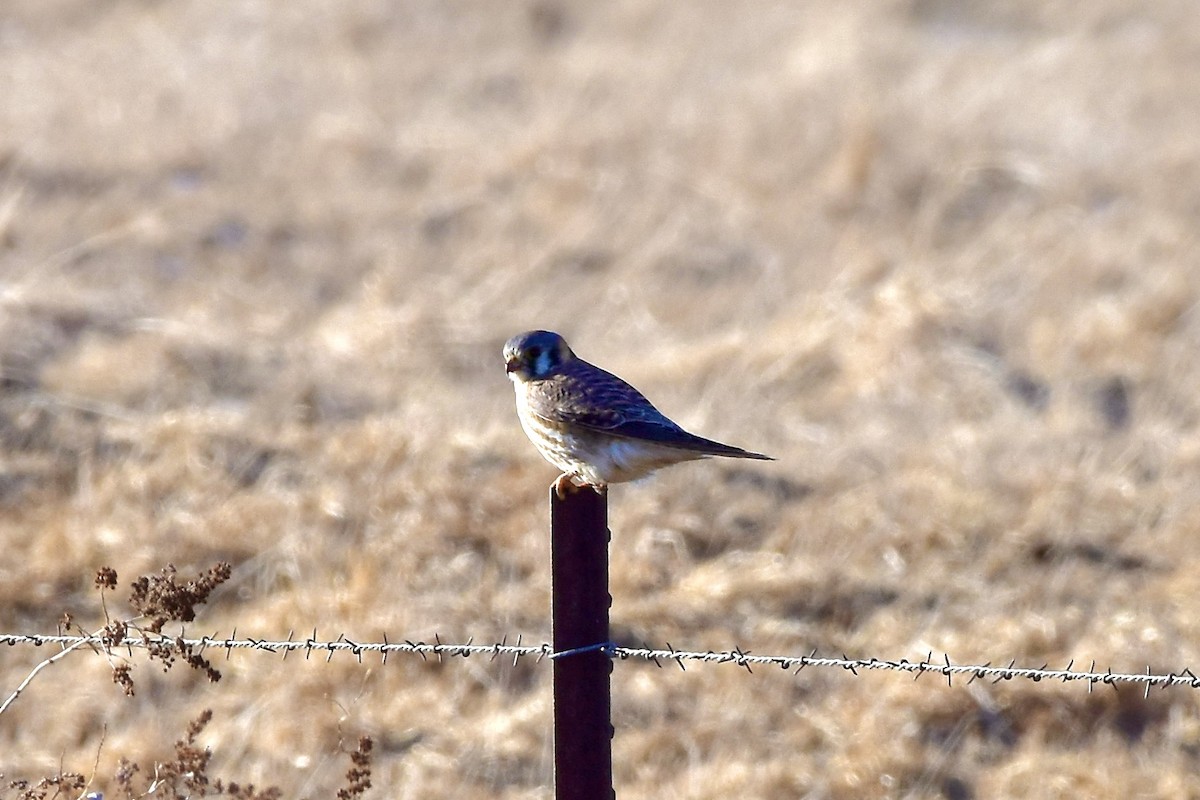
535 355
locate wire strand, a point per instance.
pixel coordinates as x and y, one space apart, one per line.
738 657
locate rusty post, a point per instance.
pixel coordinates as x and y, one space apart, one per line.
580 600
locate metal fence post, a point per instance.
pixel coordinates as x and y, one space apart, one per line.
580 602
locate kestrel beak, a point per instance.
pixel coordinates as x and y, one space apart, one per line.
511 365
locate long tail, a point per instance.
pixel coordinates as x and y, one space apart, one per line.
712 448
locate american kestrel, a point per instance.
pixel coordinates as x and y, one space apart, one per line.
589 423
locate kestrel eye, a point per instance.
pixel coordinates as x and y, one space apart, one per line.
534 352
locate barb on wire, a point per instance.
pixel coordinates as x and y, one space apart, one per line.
737 656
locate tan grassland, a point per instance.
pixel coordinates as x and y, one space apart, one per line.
257 261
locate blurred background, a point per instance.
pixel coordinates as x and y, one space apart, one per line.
939 257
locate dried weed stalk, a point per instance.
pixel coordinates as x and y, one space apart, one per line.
358 777
158 600
186 775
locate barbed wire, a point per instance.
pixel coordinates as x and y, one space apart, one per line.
738 657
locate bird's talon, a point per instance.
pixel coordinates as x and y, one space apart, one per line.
564 486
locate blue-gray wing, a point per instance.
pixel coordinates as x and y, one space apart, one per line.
586 396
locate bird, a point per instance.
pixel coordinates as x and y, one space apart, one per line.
592 425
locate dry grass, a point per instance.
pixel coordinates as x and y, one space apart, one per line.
257 262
